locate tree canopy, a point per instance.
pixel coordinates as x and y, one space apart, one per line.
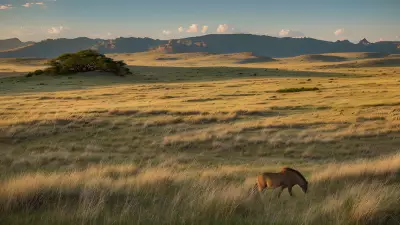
83 61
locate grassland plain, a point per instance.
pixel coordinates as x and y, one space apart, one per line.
179 144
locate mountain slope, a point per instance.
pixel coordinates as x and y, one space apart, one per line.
284 47
127 45
214 43
9 44
51 48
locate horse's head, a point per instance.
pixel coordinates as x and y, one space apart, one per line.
304 186
298 178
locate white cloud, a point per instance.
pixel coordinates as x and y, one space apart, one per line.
180 29
105 35
222 28
166 32
5 7
204 29
29 4
55 30
290 33
284 32
194 28
339 32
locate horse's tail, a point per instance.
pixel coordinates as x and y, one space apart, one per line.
253 190
259 185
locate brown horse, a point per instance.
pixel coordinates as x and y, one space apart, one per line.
287 178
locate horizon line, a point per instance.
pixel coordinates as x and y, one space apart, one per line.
199 36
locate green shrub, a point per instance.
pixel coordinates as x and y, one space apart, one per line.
35 73
83 61
38 72
286 90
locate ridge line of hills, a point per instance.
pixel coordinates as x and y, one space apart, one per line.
213 43
13 43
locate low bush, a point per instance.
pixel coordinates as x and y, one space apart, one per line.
36 72
83 61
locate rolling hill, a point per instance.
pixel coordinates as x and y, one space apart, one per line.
283 47
12 43
51 48
214 43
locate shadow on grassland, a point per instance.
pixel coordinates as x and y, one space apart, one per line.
148 75
174 74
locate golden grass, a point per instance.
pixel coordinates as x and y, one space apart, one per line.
386 166
182 145
339 194
332 62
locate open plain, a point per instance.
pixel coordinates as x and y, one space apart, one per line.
181 140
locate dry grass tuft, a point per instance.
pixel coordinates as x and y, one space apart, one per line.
386 167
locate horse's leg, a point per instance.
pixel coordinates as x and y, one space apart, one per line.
280 191
290 190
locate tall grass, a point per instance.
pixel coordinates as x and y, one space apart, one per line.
358 193
180 126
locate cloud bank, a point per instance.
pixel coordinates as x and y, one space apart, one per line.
166 32
29 4
222 28
5 7
194 28
290 33
339 32
204 29
55 30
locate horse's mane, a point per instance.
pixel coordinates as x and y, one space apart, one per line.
295 171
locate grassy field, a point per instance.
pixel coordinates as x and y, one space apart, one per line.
182 139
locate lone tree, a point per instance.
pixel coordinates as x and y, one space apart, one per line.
83 61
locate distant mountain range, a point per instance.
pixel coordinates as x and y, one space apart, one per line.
13 43
213 43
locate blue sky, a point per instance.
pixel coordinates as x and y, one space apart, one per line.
328 20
